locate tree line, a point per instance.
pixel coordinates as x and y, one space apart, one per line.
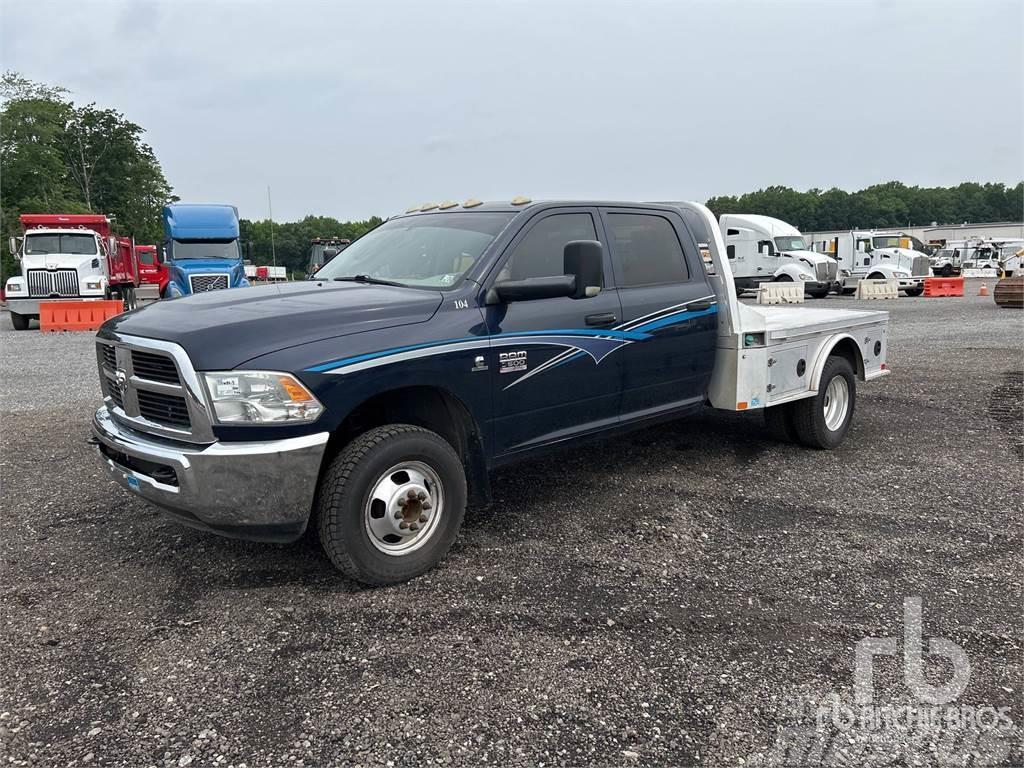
891 204
291 239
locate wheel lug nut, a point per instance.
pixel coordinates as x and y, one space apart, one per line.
398 515
414 527
411 494
423 518
421 495
402 502
425 505
403 525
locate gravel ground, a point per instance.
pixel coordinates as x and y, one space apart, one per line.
674 597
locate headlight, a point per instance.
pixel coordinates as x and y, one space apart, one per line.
93 285
901 274
13 288
260 397
805 276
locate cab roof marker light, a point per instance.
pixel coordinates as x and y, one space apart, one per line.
448 204
413 209
428 206
520 200
472 203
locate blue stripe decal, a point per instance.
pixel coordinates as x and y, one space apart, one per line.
613 338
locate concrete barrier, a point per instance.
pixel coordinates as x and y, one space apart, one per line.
780 293
878 289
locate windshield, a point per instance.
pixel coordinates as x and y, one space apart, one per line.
84 244
427 250
205 249
887 241
790 244
945 253
146 257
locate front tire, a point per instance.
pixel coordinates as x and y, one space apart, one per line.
20 322
818 294
913 291
822 421
390 504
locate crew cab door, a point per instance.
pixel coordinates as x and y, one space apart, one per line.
667 299
552 375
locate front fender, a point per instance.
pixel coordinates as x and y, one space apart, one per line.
792 271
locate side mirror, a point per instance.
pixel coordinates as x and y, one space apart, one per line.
532 288
584 260
250 249
13 243
161 257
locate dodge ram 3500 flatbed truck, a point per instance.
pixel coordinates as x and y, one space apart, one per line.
372 401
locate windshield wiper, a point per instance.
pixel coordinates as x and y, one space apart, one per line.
369 280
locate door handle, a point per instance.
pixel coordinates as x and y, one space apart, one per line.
697 306
605 318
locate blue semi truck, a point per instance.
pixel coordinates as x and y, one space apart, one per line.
201 249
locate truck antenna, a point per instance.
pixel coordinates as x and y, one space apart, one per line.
270 210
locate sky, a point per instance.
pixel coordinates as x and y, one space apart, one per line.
350 109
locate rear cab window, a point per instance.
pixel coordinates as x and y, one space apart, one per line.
646 249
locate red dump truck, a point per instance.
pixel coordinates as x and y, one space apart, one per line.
69 256
153 273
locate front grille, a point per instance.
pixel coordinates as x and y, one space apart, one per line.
109 357
115 396
146 365
44 283
163 409
920 266
821 272
201 283
833 270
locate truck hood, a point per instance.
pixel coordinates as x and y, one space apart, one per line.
80 261
194 266
811 256
223 329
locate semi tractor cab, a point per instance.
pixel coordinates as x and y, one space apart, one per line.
372 403
69 257
201 249
764 249
321 251
878 255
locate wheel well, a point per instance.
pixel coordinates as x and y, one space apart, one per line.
432 408
848 348
876 276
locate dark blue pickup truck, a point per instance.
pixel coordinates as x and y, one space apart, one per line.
372 400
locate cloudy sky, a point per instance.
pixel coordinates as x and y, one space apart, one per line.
355 108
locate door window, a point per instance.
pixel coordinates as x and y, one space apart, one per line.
539 253
647 249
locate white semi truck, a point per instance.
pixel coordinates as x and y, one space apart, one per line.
764 249
870 254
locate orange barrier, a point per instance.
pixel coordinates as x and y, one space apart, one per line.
944 286
77 315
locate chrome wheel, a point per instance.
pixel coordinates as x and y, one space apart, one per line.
837 403
404 508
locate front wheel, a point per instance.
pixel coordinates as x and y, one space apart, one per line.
818 294
391 504
20 322
823 420
913 291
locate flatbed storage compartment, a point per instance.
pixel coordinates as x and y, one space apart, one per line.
778 352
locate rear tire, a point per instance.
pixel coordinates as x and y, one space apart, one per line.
818 294
359 494
20 322
822 421
947 271
779 420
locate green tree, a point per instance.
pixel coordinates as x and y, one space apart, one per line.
60 158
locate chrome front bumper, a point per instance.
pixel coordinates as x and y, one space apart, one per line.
256 490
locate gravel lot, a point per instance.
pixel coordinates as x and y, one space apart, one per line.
668 598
